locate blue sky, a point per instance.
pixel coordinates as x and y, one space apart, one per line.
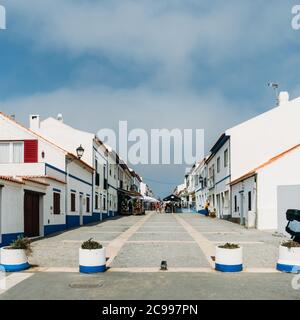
156 63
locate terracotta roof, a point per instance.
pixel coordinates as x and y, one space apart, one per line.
46 177
253 172
35 181
11 179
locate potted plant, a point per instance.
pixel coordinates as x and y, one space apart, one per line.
229 258
92 258
15 256
289 257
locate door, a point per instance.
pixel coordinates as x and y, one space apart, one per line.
80 210
242 209
31 214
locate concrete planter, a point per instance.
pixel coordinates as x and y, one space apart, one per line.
13 260
92 261
229 260
289 259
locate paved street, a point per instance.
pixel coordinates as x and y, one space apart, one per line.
135 247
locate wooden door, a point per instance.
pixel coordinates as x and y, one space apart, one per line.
31 214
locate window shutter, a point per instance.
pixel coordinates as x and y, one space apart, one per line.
30 151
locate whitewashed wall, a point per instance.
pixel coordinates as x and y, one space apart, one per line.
257 140
283 171
12 202
245 186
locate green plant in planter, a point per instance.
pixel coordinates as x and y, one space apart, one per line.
229 246
91 245
291 244
22 243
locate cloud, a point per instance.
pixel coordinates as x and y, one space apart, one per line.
167 35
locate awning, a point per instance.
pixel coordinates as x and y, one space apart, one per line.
150 199
172 198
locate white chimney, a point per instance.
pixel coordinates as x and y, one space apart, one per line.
60 117
34 122
283 97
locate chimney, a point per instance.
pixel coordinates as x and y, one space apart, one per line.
283 98
34 122
60 117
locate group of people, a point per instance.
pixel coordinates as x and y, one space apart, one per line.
158 207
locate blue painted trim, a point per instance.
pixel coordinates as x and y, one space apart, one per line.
222 180
112 186
288 268
81 193
9 237
78 179
56 190
56 169
95 269
15 267
70 175
88 195
72 190
72 221
229 268
49 229
95 217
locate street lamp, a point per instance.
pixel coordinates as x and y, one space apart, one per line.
79 152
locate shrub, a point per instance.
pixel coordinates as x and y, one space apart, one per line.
229 246
291 244
91 245
22 243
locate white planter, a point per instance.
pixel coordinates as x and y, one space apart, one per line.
92 261
289 259
229 260
13 259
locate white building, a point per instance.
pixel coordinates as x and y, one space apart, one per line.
218 169
96 154
201 191
256 196
55 186
255 141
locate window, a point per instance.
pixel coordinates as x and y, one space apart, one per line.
235 204
249 201
218 164
56 203
88 209
12 152
96 165
104 203
226 158
4 153
73 202
96 201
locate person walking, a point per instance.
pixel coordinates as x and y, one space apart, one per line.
207 208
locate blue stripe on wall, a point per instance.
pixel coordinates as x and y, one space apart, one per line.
72 221
70 175
93 218
54 228
56 190
9 237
